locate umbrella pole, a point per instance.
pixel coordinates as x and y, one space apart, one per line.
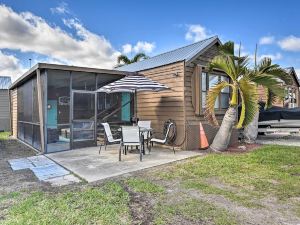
135 105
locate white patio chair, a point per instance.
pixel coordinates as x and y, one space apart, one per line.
164 140
145 124
108 136
130 137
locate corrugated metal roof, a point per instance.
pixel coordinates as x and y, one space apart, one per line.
5 82
184 53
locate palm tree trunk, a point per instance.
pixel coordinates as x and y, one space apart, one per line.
251 131
222 139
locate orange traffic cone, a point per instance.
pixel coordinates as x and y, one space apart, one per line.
203 139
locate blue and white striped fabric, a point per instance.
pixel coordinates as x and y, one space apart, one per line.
133 83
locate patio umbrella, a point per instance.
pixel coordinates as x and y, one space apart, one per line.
133 84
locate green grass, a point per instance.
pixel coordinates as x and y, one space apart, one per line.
4 135
270 170
193 210
106 205
144 186
8 196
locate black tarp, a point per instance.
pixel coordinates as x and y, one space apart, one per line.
278 113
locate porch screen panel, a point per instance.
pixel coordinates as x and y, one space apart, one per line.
28 122
83 81
83 116
58 110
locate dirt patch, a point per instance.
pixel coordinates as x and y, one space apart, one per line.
242 148
13 181
141 206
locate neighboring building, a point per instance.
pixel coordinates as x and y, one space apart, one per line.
55 107
4 103
185 71
292 97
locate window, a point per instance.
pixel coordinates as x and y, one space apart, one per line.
208 81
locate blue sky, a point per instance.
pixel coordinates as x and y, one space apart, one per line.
95 33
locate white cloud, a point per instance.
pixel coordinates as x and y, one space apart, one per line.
267 40
26 32
127 48
290 43
62 8
10 66
276 56
144 46
140 46
196 32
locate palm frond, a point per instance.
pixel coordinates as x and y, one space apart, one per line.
270 82
249 100
271 98
227 48
138 57
211 97
124 59
225 64
266 67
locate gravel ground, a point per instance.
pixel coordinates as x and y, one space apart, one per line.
279 139
11 181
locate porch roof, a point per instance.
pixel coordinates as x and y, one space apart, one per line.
27 75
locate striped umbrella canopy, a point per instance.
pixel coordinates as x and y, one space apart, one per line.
133 84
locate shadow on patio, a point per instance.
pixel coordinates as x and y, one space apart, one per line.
90 166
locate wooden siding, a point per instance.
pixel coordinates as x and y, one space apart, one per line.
14 112
161 106
193 118
4 110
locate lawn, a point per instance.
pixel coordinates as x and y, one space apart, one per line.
259 187
4 135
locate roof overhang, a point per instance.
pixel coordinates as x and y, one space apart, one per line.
32 71
294 74
216 41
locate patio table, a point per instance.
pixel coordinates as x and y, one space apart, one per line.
142 131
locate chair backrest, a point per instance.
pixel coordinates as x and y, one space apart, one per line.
144 123
108 133
168 131
130 134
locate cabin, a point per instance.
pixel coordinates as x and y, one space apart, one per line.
5 81
185 72
56 107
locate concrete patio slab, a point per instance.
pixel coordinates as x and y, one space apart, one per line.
90 166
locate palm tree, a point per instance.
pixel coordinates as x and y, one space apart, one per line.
243 84
124 60
272 93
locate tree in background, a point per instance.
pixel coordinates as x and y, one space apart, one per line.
124 60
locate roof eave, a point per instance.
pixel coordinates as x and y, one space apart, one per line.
32 70
191 59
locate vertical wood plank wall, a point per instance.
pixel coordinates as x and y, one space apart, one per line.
14 112
192 119
161 106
